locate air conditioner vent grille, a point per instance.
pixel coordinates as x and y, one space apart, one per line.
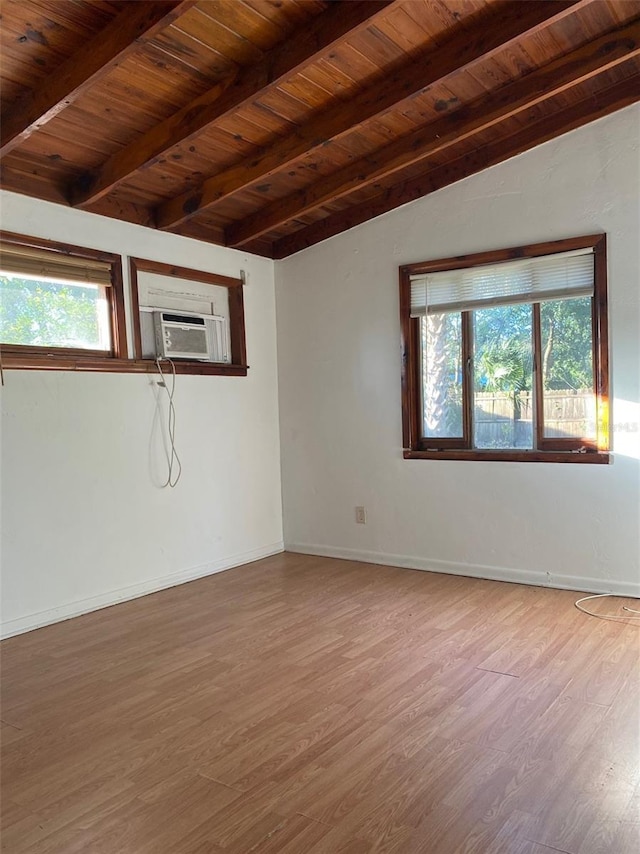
190 340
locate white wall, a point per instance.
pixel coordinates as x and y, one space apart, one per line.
339 379
83 522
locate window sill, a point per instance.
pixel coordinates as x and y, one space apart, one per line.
601 457
111 365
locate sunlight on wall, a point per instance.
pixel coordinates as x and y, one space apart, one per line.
626 428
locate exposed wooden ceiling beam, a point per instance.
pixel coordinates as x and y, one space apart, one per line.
594 107
28 182
302 48
466 47
94 60
569 70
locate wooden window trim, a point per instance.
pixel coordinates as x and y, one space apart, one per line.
546 450
238 365
18 356
31 362
23 357
508 456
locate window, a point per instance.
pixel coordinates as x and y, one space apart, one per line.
156 286
59 304
505 354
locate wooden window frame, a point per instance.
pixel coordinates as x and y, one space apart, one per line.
70 358
238 365
24 357
570 450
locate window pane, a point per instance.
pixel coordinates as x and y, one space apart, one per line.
503 377
567 369
441 364
53 314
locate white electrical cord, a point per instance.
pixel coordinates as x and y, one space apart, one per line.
173 459
607 616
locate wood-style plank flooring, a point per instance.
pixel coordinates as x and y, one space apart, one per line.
304 705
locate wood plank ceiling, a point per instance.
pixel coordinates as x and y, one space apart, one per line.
273 124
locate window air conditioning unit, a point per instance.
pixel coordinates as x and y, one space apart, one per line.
191 336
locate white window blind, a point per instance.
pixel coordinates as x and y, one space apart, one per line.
35 263
564 275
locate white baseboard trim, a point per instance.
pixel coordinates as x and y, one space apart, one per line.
134 591
492 573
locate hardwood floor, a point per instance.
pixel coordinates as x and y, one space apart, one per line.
304 705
